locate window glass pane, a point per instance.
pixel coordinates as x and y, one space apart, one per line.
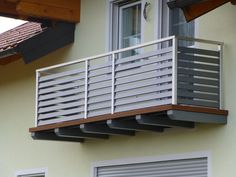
130 27
179 26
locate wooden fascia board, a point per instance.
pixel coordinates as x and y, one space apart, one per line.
12 1
61 10
8 8
196 10
9 59
233 2
48 10
70 4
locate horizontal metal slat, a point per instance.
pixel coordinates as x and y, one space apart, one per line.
198 103
61 106
60 74
139 105
147 82
155 55
60 119
100 91
61 81
59 87
193 72
198 95
198 88
145 55
194 58
61 100
100 98
60 113
143 76
139 70
99 112
100 105
199 51
97 66
61 94
143 63
198 81
99 79
198 66
99 85
142 90
134 71
141 98
99 72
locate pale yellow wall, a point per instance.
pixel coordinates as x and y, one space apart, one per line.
18 151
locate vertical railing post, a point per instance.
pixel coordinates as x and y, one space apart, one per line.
113 83
174 69
36 98
220 48
86 90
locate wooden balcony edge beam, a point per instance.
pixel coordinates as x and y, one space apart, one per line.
129 113
200 109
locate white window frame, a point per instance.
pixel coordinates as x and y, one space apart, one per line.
206 154
38 171
109 32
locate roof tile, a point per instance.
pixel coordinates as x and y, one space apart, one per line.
13 37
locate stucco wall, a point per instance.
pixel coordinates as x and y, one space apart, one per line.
17 88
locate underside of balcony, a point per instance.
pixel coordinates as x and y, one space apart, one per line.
168 83
127 123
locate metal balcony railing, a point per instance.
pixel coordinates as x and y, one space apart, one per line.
160 72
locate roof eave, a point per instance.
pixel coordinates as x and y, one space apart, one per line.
8 52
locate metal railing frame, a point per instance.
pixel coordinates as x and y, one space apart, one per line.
113 54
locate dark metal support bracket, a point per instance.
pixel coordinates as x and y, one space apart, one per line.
54 137
197 117
132 125
77 133
156 122
162 121
104 129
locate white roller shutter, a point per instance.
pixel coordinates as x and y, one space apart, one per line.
194 167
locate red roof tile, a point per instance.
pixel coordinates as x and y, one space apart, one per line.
13 37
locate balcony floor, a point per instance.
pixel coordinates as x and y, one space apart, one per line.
156 119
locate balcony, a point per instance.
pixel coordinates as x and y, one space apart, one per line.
167 83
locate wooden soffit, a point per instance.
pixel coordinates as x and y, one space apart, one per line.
195 8
62 10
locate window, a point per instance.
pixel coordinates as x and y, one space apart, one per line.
172 22
192 166
125 24
32 173
179 26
